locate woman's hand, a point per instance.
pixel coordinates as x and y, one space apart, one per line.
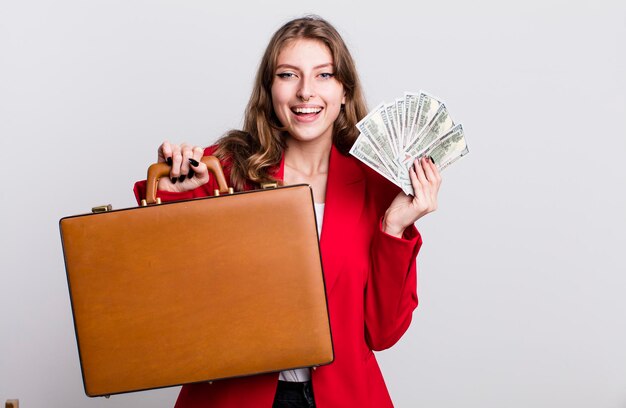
405 210
187 172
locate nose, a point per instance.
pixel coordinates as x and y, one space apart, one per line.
305 91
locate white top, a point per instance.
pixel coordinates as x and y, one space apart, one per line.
304 374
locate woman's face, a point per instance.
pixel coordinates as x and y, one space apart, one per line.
305 94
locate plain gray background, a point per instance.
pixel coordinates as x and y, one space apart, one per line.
522 279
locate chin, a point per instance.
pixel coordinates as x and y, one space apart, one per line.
310 135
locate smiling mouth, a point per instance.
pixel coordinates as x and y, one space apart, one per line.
306 111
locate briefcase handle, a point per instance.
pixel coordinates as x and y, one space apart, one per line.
158 170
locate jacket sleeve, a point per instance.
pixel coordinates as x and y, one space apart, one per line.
391 289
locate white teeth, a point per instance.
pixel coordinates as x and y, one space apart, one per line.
307 110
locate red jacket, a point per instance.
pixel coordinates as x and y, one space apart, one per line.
371 286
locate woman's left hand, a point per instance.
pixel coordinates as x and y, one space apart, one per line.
405 209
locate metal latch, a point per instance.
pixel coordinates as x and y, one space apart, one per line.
144 202
216 192
102 208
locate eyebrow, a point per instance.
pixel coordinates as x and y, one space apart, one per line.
328 64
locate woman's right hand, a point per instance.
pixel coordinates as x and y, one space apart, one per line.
187 170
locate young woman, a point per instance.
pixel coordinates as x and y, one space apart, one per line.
298 128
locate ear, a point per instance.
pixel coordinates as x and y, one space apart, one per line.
343 100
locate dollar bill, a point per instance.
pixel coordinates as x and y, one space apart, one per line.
449 148
439 125
404 182
427 108
364 151
400 112
392 114
393 135
373 127
411 103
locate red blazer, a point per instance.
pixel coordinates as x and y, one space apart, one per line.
371 287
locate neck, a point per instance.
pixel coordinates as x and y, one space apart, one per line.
309 158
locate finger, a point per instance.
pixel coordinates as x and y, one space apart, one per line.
427 165
176 161
198 152
165 153
436 173
186 153
201 171
421 176
432 185
418 192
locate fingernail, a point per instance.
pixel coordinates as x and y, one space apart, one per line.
193 162
182 178
174 180
169 161
191 173
431 159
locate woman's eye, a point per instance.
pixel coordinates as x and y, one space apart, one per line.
285 75
327 75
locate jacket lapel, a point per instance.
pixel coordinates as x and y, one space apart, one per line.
345 195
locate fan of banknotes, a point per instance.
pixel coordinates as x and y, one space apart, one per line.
394 134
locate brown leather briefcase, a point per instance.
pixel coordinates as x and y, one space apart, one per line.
196 290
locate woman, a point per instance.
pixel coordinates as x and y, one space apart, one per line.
298 128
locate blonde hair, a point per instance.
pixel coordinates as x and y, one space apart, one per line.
258 147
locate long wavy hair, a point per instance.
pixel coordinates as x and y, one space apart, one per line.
255 150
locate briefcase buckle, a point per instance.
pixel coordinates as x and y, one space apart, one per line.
101 208
144 203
